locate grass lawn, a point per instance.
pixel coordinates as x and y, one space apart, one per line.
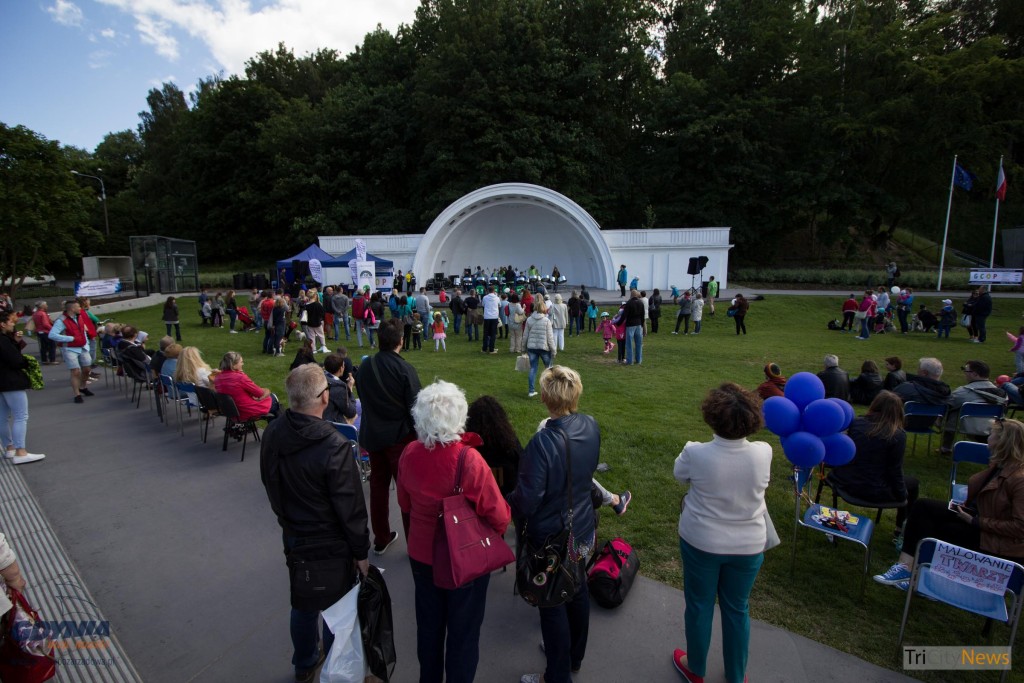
648 413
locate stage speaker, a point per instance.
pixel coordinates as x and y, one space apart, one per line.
703 262
694 266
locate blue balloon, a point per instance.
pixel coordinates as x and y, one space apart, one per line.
847 411
823 417
804 387
839 449
781 416
803 449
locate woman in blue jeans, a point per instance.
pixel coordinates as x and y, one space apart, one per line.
539 340
722 529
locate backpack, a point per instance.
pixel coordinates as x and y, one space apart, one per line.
611 573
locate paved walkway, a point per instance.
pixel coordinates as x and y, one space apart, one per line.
174 544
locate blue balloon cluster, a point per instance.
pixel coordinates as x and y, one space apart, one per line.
811 426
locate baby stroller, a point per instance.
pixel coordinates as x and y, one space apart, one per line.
883 322
246 319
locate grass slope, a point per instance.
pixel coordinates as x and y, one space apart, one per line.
648 413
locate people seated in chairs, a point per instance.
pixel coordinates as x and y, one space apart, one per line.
250 399
835 379
156 363
774 383
170 364
926 386
876 472
979 389
342 406
990 520
192 368
894 375
130 347
865 386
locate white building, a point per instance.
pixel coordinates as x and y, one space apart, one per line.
521 225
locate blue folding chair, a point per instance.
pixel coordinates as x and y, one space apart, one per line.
923 418
859 533
1005 608
966 451
975 420
352 434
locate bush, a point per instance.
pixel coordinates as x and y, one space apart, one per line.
850 278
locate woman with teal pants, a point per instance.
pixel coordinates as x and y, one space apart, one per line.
722 529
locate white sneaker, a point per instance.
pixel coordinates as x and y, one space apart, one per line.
232 331
28 457
324 349
9 453
531 394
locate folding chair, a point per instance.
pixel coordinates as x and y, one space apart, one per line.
109 367
931 584
171 394
139 373
234 425
352 434
209 408
966 451
839 492
923 418
189 399
975 420
859 533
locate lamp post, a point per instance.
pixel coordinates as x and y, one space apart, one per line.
103 197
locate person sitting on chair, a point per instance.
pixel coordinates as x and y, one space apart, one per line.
866 385
979 389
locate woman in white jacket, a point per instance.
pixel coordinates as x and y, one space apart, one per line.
539 340
559 314
722 529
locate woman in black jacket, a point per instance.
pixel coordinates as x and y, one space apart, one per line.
501 448
541 501
14 385
876 473
866 385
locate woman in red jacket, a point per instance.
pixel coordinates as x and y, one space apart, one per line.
866 314
43 324
447 621
251 400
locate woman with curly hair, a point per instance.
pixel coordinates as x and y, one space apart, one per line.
501 448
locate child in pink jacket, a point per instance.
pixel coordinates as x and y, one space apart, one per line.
606 330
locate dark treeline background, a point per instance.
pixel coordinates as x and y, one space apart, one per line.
827 124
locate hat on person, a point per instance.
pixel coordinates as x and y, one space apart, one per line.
772 371
605 314
948 302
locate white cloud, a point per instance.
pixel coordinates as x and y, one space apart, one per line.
66 12
108 33
99 59
234 31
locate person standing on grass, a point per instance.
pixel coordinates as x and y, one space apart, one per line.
170 318
741 306
490 305
339 304
866 313
634 313
654 310
723 529
712 294
685 311
539 341
697 315
850 307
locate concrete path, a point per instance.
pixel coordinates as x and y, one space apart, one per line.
175 543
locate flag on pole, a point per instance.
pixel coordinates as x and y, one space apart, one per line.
963 178
1001 185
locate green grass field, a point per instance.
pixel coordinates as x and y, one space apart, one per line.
648 413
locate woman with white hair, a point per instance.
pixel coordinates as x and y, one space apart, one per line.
447 621
559 314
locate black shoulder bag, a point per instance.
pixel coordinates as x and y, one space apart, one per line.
545 576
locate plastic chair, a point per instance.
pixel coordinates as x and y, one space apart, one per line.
188 399
109 367
859 533
352 434
234 425
139 373
839 492
969 598
975 420
209 408
923 418
966 451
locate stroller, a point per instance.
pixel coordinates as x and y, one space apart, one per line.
245 317
883 322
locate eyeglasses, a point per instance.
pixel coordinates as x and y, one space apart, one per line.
324 390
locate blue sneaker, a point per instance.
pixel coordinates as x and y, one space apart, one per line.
903 586
897 573
624 499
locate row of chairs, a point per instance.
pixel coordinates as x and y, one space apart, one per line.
971 422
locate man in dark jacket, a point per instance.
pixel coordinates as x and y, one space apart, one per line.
926 386
312 481
835 379
982 310
387 386
341 407
458 310
634 311
471 303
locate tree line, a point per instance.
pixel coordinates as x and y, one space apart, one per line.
828 123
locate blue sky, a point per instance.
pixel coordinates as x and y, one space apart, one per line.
75 70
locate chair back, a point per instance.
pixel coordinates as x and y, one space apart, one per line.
227 406
187 391
207 399
968 596
966 451
348 431
169 389
921 418
975 418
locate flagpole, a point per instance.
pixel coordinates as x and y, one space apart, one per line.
945 234
995 225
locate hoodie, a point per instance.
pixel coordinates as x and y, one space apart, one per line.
313 483
925 390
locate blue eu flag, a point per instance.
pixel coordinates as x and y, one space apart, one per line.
963 178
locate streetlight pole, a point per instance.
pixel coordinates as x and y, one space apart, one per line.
103 197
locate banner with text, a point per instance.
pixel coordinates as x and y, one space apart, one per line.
996 276
971 568
98 287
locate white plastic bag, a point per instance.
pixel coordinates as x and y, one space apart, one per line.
345 662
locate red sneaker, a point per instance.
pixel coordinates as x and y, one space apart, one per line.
677 659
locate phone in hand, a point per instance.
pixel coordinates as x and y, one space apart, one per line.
954 506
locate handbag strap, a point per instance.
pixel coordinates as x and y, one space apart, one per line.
458 470
568 475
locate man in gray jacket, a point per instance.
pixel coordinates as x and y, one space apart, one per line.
339 306
423 308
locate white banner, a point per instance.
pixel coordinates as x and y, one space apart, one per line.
316 271
366 275
996 276
360 250
98 287
972 568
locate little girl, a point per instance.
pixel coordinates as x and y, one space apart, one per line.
417 331
1018 348
607 331
591 316
947 318
438 329
697 312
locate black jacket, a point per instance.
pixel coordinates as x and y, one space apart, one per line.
837 383
894 379
387 417
540 496
12 365
865 387
983 306
634 312
315 314
340 405
876 472
312 481
924 390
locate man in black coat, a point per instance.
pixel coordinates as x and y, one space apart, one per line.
835 379
982 310
312 480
